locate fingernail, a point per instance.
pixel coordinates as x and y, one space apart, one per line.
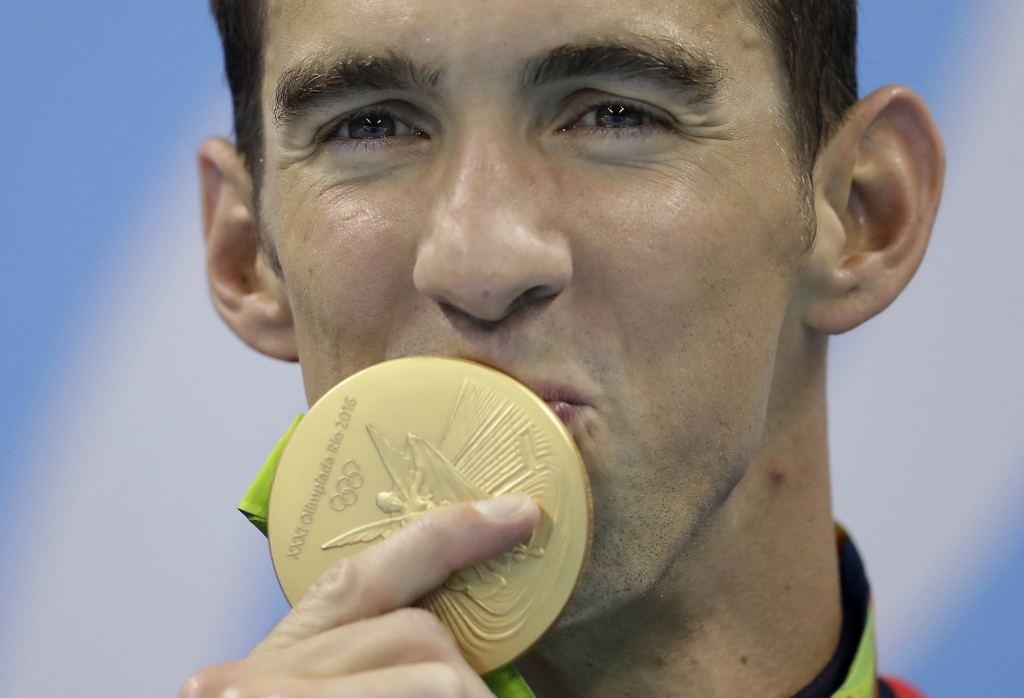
505 507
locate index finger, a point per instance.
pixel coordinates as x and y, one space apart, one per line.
404 567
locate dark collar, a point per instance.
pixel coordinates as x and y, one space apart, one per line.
856 602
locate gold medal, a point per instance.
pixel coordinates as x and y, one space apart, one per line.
406 436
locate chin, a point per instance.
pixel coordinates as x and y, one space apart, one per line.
578 611
599 595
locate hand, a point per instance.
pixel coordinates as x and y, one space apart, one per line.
353 635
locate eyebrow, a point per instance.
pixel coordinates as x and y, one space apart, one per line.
666 65
319 81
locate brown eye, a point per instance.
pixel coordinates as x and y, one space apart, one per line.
376 124
371 126
619 116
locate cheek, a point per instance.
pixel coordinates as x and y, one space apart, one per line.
346 257
673 259
689 272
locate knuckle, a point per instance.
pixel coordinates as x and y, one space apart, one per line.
424 636
211 682
447 679
445 531
448 522
423 623
428 527
465 516
339 581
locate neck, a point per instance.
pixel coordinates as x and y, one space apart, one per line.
752 604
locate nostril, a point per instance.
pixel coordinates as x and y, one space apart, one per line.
537 293
535 296
458 316
531 297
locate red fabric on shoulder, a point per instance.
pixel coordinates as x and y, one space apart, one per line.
902 689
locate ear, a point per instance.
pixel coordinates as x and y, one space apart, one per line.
247 293
877 185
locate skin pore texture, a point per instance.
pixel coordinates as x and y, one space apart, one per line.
653 249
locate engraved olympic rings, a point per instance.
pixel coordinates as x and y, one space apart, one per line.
351 480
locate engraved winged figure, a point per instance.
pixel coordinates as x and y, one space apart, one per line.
423 479
489 447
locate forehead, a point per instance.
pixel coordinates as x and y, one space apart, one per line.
492 37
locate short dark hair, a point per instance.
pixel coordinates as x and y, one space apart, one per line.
243 26
815 43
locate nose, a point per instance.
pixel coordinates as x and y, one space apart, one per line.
487 252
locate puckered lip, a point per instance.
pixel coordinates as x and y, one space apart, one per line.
552 393
568 412
566 401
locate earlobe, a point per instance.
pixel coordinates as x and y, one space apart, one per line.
878 182
246 292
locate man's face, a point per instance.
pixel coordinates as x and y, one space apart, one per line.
599 199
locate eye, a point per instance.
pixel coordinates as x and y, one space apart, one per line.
615 116
371 126
375 124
